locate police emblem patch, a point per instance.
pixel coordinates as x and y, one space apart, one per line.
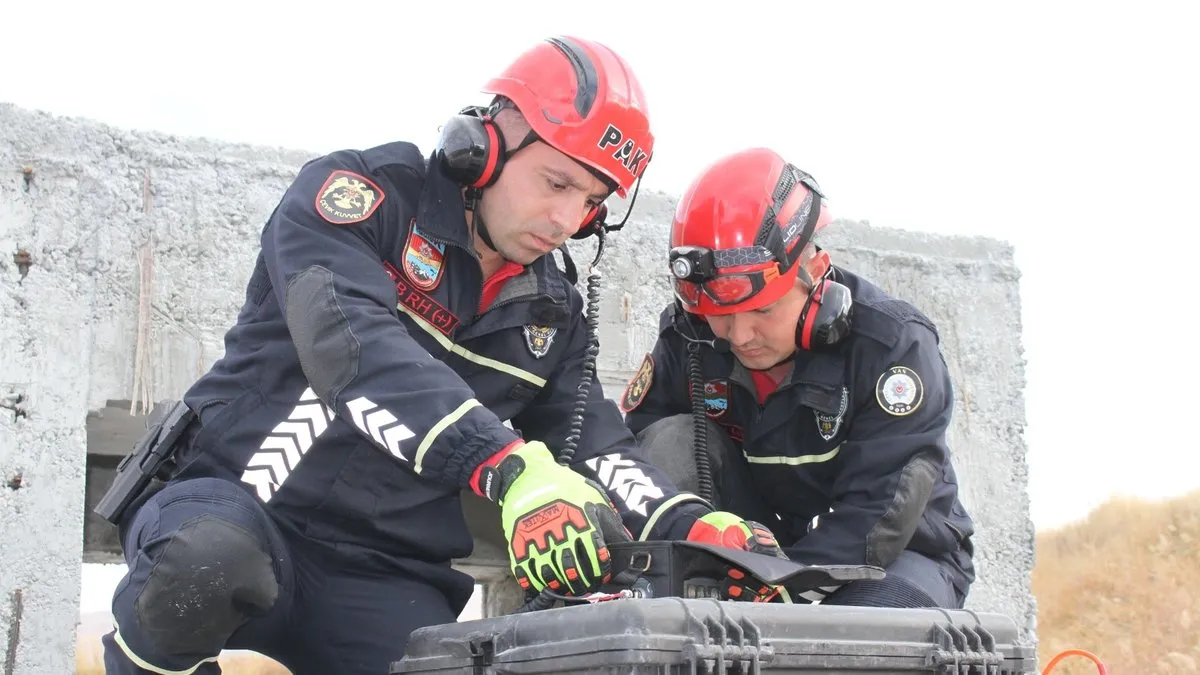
635 391
347 198
423 259
899 390
539 339
716 398
828 425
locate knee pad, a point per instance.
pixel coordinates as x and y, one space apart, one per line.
677 434
886 592
675 426
668 444
205 579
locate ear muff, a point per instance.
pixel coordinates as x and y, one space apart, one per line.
825 319
593 223
471 149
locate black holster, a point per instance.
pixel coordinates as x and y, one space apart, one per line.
149 461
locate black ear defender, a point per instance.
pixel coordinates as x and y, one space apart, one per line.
472 151
825 319
471 148
596 222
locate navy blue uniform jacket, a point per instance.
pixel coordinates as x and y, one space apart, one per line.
854 440
361 386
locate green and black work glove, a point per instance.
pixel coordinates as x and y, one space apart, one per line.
723 528
557 523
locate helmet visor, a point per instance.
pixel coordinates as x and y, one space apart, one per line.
725 289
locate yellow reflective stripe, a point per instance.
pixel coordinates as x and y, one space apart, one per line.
142 663
662 509
794 461
439 428
470 355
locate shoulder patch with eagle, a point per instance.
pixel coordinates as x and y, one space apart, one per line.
347 198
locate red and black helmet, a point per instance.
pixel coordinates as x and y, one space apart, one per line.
583 99
739 230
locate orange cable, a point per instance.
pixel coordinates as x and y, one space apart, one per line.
1075 652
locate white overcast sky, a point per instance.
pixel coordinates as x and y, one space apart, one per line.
1071 129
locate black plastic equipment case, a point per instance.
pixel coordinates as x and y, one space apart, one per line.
675 635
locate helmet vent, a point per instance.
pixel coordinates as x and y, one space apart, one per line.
770 223
783 188
585 74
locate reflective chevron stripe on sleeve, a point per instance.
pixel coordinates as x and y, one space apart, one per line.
380 425
283 449
623 477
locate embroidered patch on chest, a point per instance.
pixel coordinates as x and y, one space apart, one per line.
420 303
538 339
828 425
899 390
716 398
347 198
423 259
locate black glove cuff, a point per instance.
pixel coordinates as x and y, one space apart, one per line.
684 518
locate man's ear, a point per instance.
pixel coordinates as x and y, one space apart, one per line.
817 265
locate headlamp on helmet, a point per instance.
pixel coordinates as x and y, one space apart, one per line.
693 263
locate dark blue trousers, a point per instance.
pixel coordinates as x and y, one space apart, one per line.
209 570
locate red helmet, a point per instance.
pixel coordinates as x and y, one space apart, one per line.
739 230
584 100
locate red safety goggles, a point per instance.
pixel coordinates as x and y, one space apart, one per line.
695 272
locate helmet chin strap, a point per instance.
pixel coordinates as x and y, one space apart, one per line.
474 195
472 204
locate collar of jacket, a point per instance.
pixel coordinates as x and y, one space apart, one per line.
441 213
820 378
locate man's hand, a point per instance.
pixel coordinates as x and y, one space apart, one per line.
723 528
558 524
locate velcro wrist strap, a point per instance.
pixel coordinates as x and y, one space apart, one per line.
485 481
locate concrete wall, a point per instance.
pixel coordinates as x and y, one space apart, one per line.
128 235
123 257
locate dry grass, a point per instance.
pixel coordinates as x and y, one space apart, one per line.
1123 584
